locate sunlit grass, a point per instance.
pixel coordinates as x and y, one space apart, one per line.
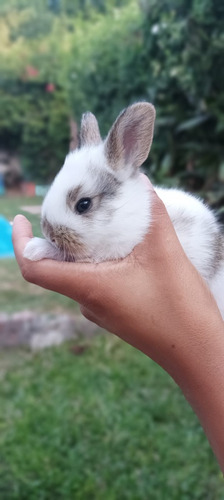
11 206
15 293
107 424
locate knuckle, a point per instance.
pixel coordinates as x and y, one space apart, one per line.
28 272
87 314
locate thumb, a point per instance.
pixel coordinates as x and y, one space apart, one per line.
71 279
161 233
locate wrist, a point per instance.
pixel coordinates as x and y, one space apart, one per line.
198 370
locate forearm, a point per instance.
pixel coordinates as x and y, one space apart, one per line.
156 301
193 354
198 370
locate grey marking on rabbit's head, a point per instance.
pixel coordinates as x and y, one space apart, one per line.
72 197
105 186
105 183
71 245
65 239
89 131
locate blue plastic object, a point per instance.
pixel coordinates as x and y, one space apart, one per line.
2 186
6 247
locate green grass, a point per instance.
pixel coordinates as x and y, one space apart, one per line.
11 206
15 293
108 424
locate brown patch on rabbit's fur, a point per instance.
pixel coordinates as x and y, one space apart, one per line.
65 239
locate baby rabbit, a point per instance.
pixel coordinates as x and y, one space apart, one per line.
98 207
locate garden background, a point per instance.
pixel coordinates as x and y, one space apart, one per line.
94 419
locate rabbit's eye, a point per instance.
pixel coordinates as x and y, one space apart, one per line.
83 205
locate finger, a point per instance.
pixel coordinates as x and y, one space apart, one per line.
71 279
88 314
22 233
160 218
159 214
161 238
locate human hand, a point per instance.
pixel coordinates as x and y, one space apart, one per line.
155 300
150 298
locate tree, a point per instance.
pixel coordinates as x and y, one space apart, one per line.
156 55
65 57
186 86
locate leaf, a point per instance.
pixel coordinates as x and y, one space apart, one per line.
166 165
221 172
193 123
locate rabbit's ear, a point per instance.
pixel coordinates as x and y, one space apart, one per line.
89 131
130 138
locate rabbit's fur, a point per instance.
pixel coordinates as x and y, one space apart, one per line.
106 175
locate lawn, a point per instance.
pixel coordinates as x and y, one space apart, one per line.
105 425
15 293
98 423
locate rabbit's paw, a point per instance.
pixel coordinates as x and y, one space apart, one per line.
38 248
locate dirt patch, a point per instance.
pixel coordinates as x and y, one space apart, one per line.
32 209
39 331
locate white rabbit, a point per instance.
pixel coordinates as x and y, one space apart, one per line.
98 207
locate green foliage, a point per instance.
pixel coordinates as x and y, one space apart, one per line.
184 47
100 65
74 7
35 25
102 56
34 98
80 427
34 115
45 136
37 124
157 56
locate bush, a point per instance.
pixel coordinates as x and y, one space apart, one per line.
183 51
35 123
102 56
157 56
